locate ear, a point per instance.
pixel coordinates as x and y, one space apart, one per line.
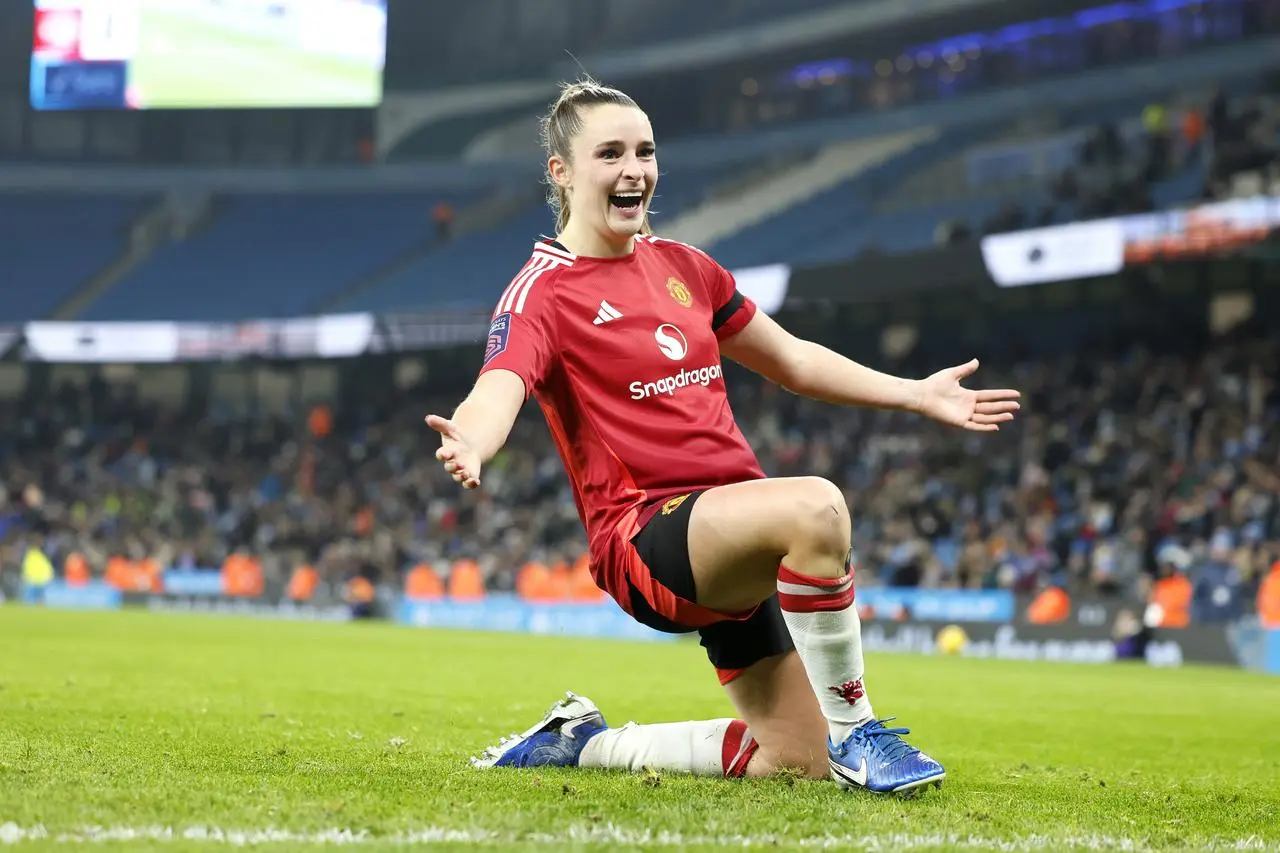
559 171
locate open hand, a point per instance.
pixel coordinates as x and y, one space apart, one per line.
459 459
944 399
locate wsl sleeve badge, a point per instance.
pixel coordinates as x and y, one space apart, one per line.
497 340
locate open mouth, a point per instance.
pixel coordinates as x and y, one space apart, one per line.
626 201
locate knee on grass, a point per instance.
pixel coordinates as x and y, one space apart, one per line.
787 763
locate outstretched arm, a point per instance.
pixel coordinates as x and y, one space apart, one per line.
480 426
812 370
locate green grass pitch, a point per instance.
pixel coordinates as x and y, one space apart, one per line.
189 59
133 730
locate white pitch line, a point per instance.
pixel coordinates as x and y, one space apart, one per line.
12 833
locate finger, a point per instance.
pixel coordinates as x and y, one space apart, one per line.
964 370
997 407
444 426
452 467
444 454
974 426
992 396
471 483
979 418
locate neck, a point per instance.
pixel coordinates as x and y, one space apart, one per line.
590 243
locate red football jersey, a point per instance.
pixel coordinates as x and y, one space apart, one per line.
623 356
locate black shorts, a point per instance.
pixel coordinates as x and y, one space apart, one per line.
732 644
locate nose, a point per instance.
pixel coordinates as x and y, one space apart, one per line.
631 168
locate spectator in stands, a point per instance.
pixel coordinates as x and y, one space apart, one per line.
1193 131
1269 598
442 217
1158 142
1172 592
1218 585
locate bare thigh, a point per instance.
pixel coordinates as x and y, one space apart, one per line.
775 699
739 533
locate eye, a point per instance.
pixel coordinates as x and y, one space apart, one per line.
647 151
609 154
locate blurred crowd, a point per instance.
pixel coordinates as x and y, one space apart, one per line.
1195 148
1118 473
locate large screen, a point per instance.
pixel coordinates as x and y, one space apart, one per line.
207 54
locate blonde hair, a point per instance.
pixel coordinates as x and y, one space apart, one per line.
562 125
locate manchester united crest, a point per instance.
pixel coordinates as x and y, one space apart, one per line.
679 292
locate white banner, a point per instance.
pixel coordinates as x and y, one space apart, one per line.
1062 253
330 336
102 342
343 335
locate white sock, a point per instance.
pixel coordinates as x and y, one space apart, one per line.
825 627
703 748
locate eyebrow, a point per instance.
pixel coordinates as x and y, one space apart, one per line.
613 143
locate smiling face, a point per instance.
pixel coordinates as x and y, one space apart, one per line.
607 180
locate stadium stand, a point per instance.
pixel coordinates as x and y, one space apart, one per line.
272 256
40 271
864 211
752 202
377 252
1131 157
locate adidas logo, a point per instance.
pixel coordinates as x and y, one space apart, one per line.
606 313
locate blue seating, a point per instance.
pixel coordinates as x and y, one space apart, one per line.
270 256
53 245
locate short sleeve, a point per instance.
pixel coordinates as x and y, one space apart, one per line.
521 335
732 309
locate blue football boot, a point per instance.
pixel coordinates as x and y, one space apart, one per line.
876 758
554 741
